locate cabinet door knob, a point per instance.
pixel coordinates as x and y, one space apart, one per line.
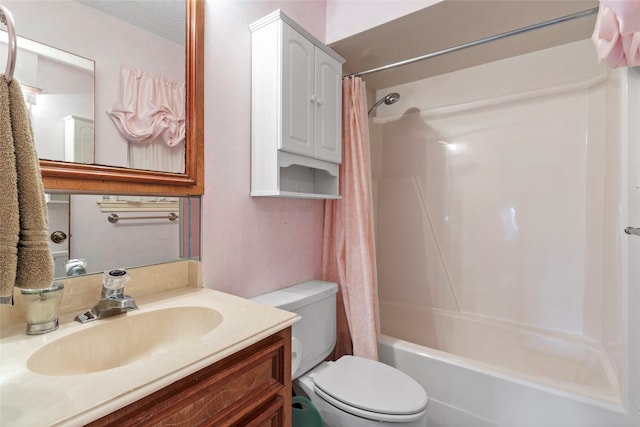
313 98
319 102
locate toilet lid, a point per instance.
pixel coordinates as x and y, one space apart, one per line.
355 385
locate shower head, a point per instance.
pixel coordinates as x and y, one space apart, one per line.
391 98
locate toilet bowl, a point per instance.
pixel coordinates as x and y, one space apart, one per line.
358 392
352 391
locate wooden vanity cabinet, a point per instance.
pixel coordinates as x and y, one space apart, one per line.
249 388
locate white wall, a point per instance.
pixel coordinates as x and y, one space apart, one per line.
348 17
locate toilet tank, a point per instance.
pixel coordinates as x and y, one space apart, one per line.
314 335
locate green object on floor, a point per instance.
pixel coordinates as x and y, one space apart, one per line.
304 413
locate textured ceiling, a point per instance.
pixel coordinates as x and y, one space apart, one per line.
166 18
454 22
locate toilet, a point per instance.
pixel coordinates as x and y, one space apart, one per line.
352 391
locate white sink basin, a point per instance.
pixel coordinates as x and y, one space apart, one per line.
124 339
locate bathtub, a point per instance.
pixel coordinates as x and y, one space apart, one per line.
482 372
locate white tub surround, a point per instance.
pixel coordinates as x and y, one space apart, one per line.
28 399
499 196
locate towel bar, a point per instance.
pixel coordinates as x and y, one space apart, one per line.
632 231
114 218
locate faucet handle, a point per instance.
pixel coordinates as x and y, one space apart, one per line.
115 279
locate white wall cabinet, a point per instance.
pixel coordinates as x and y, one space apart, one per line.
296 112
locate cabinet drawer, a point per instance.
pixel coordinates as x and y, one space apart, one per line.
269 415
252 381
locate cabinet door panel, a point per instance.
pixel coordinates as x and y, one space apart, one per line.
328 124
297 93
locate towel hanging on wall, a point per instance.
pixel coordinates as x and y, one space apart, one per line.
25 256
10 224
35 262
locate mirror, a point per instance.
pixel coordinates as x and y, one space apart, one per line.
58 89
91 233
117 177
61 178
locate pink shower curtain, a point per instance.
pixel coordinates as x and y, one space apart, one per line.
616 36
348 251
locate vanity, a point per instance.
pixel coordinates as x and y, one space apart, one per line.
188 356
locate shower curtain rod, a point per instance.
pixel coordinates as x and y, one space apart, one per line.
476 42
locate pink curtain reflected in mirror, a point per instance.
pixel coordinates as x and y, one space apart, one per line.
150 116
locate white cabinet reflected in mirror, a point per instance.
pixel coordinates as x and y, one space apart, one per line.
135 69
93 233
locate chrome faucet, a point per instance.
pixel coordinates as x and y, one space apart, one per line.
113 300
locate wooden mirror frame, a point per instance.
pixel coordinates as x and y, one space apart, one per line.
99 179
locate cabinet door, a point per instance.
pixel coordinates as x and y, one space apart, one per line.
328 114
298 96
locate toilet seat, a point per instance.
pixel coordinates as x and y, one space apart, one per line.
371 390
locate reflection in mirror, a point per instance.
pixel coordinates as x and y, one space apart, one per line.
58 90
133 67
94 233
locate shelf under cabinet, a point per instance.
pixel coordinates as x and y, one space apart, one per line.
295 176
295 195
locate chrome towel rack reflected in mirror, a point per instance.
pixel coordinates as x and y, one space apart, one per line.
114 218
7 19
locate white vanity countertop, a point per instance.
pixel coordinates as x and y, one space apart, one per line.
30 399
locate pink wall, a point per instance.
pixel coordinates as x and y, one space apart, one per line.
249 245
